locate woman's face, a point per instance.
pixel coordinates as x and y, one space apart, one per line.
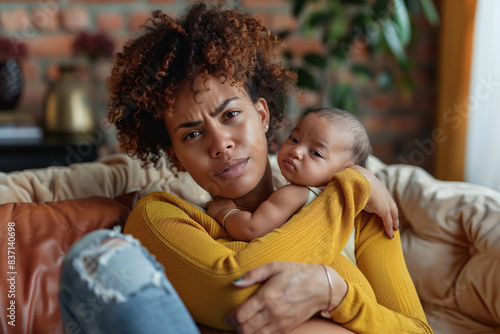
219 137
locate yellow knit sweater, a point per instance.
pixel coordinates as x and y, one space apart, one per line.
201 260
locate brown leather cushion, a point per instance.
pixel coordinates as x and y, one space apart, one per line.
43 233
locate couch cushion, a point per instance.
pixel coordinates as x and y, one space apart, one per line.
450 233
39 236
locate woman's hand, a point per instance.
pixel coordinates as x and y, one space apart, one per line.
380 202
291 294
219 207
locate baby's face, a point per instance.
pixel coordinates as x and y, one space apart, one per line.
314 151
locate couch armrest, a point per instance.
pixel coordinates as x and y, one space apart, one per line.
110 176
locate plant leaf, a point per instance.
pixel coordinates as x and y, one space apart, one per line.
305 79
315 60
361 71
430 11
380 5
342 97
320 18
298 6
353 2
403 21
392 39
338 27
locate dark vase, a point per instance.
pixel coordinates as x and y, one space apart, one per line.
11 84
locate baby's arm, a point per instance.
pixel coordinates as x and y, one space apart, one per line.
271 214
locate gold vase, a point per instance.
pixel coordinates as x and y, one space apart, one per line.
67 106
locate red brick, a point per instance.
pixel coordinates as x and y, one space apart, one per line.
422 77
57 45
30 70
194 1
424 101
45 19
15 19
52 72
32 99
163 1
425 50
109 21
358 51
383 149
102 69
281 22
102 2
308 99
262 18
373 125
265 3
404 124
138 18
120 40
382 102
75 19
299 46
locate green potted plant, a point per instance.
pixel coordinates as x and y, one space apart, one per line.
11 77
345 28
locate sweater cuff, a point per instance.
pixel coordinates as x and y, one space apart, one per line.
349 307
350 174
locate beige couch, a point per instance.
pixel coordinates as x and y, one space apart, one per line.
450 234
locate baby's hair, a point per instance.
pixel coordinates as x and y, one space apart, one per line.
347 122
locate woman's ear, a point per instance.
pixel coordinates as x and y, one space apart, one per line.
263 110
173 157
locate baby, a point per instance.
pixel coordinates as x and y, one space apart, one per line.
326 141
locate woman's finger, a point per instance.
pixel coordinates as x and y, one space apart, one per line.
256 275
388 223
251 306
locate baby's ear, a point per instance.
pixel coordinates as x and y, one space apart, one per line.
173 157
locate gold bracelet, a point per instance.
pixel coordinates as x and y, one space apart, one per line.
326 313
225 216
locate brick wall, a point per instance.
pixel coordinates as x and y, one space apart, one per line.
399 125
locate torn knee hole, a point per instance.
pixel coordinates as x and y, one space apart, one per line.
100 253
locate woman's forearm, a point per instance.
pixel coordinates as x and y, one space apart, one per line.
201 260
381 296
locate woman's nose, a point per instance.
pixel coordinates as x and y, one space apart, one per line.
221 143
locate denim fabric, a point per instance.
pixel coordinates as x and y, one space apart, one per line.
118 288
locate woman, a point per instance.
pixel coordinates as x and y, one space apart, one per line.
204 88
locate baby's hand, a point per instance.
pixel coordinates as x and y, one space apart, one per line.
218 208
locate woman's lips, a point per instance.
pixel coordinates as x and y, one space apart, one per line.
232 169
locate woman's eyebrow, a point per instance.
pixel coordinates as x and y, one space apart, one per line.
223 105
217 111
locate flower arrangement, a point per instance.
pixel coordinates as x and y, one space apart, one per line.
93 46
10 48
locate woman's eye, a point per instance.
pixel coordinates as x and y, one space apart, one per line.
293 139
231 114
191 135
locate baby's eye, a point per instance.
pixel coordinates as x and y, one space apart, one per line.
293 139
316 154
191 135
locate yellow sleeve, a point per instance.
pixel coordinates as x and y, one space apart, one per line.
393 305
201 262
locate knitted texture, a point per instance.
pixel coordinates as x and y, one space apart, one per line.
201 259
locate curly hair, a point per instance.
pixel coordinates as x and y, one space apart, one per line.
148 73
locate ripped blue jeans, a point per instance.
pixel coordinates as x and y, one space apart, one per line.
111 284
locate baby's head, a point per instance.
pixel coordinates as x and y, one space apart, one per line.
324 142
